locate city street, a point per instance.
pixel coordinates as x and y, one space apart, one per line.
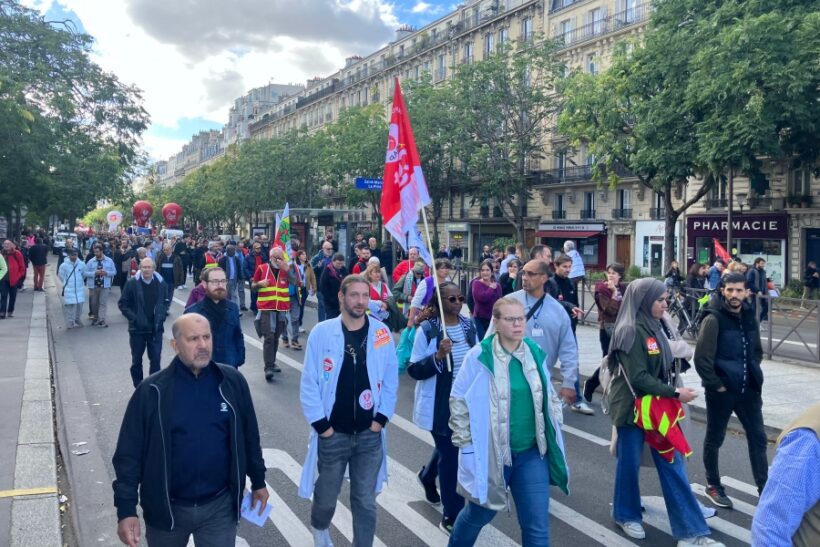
93 386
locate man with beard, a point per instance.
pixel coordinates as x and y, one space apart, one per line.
272 281
727 358
223 315
348 393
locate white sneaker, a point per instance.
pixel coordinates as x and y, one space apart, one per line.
321 538
701 540
583 408
633 529
302 329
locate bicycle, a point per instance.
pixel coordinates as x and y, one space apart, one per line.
688 325
677 308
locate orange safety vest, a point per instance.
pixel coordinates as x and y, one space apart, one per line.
210 261
659 418
275 297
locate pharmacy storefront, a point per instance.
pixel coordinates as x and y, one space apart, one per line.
753 236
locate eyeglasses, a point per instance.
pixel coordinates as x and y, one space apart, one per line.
454 299
218 282
514 320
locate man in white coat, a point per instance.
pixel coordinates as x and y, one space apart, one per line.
348 393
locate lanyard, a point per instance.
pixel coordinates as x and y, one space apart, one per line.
540 308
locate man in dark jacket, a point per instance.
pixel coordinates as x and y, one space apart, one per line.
319 262
188 439
144 302
223 315
329 285
38 255
727 358
756 280
254 259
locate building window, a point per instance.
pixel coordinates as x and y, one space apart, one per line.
624 199
489 44
800 182
565 31
526 29
596 21
401 51
476 17
558 203
441 68
631 10
589 205
503 36
468 53
592 64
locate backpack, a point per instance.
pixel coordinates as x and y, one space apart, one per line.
609 368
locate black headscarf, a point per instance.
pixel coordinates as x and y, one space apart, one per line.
637 306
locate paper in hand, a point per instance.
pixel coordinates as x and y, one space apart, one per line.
251 514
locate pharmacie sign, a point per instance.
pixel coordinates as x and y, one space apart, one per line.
773 226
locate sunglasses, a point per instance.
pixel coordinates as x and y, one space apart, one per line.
454 299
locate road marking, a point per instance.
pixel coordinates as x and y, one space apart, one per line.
587 526
739 505
584 435
740 486
342 518
21 492
656 517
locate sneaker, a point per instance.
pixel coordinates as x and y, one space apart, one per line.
583 408
633 529
302 329
243 308
295 345
93 322
718 496
285 344
446 525
276 368
321 538
707 512
102 324
79 324
70 326
430 492
269 374
701 540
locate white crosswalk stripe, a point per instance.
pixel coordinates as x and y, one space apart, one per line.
403 492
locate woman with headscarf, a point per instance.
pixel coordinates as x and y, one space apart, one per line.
644 363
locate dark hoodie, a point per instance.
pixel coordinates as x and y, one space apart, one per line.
728 351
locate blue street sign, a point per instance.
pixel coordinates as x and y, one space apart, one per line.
368 184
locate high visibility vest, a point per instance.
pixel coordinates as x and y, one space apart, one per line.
276 296
659 418
210 261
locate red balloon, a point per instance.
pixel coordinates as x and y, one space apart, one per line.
142 213
172 213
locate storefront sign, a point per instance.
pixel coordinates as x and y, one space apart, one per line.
746 226
555 227
457 227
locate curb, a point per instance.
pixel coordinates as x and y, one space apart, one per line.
35 514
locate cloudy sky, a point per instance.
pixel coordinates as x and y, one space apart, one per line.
192 58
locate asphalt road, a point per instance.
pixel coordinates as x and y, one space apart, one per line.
93 387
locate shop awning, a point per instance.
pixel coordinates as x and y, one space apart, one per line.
565 234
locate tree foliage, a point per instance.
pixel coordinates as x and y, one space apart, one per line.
714 86
69 132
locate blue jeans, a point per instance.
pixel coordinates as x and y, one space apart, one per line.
361 454
320 301
685 516
529 481
212 525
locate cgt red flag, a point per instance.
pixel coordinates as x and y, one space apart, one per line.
720 251
404 192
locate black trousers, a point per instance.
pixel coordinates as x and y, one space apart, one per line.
748 408
8 296
139 343
593 381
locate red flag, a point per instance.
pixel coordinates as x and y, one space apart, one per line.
721 252
404 192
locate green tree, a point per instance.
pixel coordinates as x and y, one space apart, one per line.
715 86
69 132
505 102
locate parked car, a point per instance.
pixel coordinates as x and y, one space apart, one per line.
58 242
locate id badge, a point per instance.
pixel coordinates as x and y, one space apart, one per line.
537 331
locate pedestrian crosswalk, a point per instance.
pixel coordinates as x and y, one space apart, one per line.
401 498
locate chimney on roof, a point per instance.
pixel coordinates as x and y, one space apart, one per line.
352 60
404 31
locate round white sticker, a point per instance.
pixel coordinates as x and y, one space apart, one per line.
366 399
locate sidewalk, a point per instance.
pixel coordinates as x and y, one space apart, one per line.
29 506
787 389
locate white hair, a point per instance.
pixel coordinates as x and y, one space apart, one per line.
569 246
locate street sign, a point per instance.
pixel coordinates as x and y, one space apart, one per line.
368 184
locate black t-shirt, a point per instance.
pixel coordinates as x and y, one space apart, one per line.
99 280
353 409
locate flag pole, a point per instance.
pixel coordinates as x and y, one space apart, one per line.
435 284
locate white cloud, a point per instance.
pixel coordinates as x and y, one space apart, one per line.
192 58
421 7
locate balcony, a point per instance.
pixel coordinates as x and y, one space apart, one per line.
622 213
587 214
559 215
576 173
715 203
657 213
760 202
604 25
